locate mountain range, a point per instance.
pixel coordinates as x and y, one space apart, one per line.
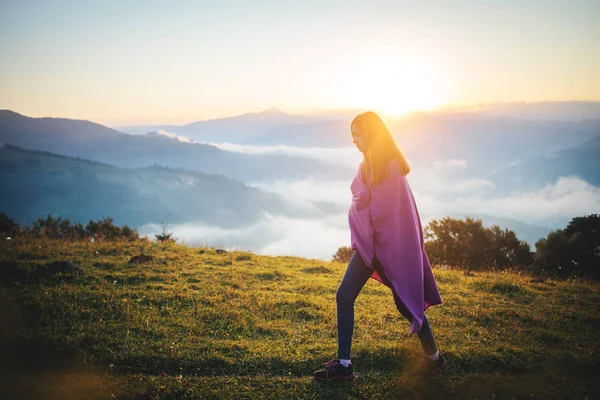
96 142
36 183
245 128
582 161
83 170
488 144
489 138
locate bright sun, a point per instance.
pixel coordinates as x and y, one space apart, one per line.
391 85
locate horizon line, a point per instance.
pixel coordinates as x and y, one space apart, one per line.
322 112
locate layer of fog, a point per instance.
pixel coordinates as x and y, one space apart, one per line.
552 206
273 235
440 189
170 135
348 156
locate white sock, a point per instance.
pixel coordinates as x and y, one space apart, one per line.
345 363
434 357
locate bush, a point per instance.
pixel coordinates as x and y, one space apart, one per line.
58 228
8 227
64 229
105 229
343 255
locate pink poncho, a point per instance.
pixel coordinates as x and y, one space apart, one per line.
385 223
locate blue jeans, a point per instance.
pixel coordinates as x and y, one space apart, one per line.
357 274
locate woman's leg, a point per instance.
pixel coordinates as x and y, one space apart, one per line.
357 274
425 334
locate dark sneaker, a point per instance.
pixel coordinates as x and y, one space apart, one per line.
431 367
334 370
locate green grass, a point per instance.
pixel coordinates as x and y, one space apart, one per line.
196 324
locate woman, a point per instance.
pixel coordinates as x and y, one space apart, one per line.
387 239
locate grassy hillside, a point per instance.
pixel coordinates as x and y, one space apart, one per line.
192 323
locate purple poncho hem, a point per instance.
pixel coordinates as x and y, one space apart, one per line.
385 224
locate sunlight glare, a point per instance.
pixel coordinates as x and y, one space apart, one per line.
395 86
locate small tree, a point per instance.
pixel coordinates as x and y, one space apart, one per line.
129 234
343 255
573 251
468 244
553 255
507 250
458 242
584 235
164 236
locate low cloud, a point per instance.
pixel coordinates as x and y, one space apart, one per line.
473 185
441 184
273 235
348 156
304 191
449 164
170 135
441 188
320 238
554 205
569 197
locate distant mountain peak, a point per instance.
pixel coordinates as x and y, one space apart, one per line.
11 113
273 111
269 112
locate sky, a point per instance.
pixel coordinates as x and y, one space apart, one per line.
149 62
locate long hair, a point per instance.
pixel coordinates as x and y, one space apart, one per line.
380 148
